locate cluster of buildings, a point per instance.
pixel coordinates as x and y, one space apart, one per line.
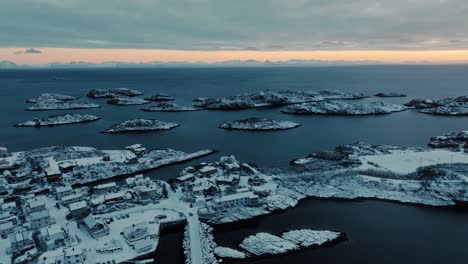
223 185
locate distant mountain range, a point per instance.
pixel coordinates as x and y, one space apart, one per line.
154 64
230 63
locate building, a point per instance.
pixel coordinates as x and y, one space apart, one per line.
137 232
227 179
52 170
4 152
76 197
137 149
53 237
208 171
95 227
6 228
235 200
115 197
109 247
63 191
40 219
72 255
256 180
9 207
21 241
79 209
35 205
106 188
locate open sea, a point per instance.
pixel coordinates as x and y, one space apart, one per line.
378 232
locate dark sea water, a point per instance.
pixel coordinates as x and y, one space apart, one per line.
379 232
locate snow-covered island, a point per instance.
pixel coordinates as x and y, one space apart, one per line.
111 92
51 97
343 108
390 94
267 244
448 107
455 140
169 107
260 124
125 100
141 125
49 101
56 120
160 97
272 98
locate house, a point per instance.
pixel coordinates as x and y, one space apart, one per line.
63 191
115 197
109 247
95 227
6 228
189 177
72 255
52 170
256 180
235 200
137 232
9 207
40 219
208 170
141 246
73 198
8 217
52 237
4 152
137 149
21 241
106 188
228 179
35 205
79 209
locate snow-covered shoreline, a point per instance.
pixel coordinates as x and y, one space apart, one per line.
141 125
56 120
259 124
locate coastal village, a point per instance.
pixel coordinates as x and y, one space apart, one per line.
76 204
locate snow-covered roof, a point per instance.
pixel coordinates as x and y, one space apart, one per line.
106 185
36 203
62 189
39 215
90 221
25 235
77 205
72 197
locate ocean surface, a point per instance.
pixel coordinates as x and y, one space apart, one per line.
379 232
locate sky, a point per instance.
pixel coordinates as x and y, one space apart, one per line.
42 31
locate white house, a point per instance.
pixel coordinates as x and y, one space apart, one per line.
235 200
40 219
63 191
95 227
21 241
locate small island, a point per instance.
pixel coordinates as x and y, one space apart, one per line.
273 98
51 97
169 107
124 100
141 125
343 108
111 92
390 94
448 107
56 120
259 124
263 244
160 97
61 105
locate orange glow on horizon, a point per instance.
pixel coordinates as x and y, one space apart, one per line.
48 55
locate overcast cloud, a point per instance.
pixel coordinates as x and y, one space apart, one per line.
236 25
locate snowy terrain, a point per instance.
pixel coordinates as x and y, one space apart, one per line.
272 98
267 244
51 97
343 108
259 124
126 100
58 120
111 92
161 97
169 107
60 105
136 125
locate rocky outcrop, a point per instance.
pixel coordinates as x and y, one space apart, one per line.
123 100
141 125
260 124
61 105
169 107
50 97
161 97
56 120
111 92
449 106
272 98
390 94
456 140
343 108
